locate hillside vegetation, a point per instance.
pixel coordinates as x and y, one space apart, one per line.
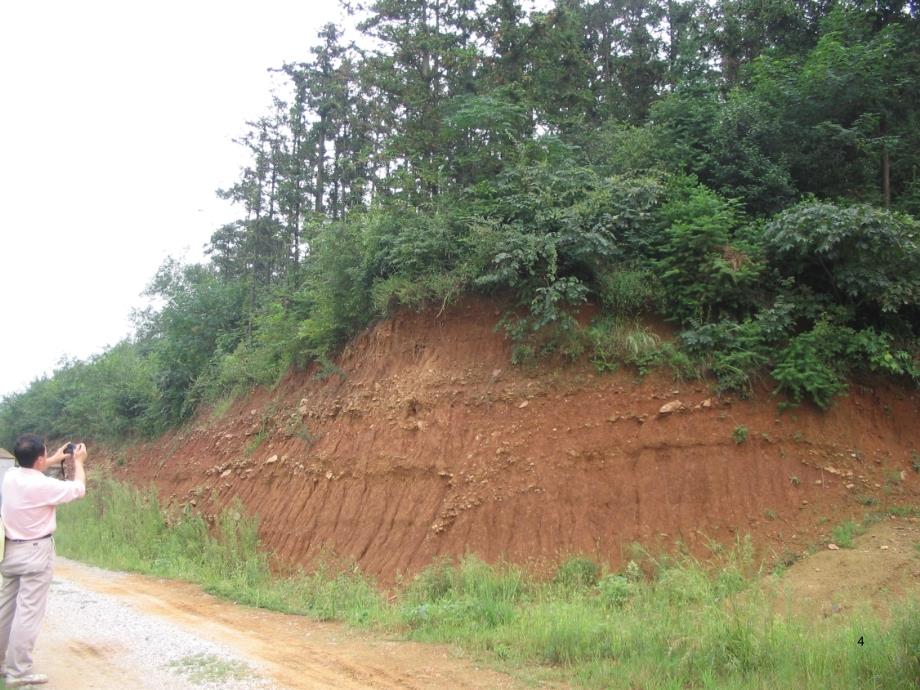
746 169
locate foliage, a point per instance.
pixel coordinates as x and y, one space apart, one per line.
740 434
842 535
703 275
746 170
861 256
815 362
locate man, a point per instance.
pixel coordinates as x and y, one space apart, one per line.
28 512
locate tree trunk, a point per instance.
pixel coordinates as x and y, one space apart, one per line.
320 167
886 164
886 178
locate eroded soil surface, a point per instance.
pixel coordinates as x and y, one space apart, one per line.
424 441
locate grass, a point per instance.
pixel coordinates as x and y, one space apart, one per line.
667 622
209 668
842 535
222 406
257 440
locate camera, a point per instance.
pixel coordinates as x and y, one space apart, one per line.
69 449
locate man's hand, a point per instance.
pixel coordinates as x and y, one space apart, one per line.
79 457
58 454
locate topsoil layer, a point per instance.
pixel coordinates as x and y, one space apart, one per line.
426 442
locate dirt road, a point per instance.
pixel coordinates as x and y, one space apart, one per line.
111 631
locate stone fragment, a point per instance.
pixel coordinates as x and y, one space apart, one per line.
673 406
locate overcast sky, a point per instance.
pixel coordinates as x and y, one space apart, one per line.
116 121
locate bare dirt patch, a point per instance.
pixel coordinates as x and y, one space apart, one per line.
296 653
880 571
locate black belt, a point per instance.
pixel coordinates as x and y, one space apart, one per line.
26 541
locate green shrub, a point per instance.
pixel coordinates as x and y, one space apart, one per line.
860 255
616 590
731 352
843 534
740 434
626 291
577 572
703 275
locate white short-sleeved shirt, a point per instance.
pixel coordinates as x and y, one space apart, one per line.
29 500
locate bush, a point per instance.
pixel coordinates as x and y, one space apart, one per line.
732 352
702 273
809 366
577 572
861 256
627 291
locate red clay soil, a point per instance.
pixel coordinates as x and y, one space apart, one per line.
429 443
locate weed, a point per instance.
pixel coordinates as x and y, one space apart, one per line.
255 442
222 406
740 434
795 481
577 572
843 533
296 427
785 561
866 500
209 668
326 368
903 511
915 461
770 514
523 355
893 476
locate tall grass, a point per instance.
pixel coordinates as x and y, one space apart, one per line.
668 624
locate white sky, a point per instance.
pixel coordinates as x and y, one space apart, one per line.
116 120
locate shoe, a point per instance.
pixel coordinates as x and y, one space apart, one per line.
31 679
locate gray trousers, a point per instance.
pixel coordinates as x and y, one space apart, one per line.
26 570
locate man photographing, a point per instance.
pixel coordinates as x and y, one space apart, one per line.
28 513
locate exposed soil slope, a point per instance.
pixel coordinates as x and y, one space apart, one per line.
429 443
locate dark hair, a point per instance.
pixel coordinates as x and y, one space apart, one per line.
28 449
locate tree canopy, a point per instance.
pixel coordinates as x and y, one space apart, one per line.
746 169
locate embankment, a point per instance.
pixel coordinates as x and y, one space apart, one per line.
427 442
